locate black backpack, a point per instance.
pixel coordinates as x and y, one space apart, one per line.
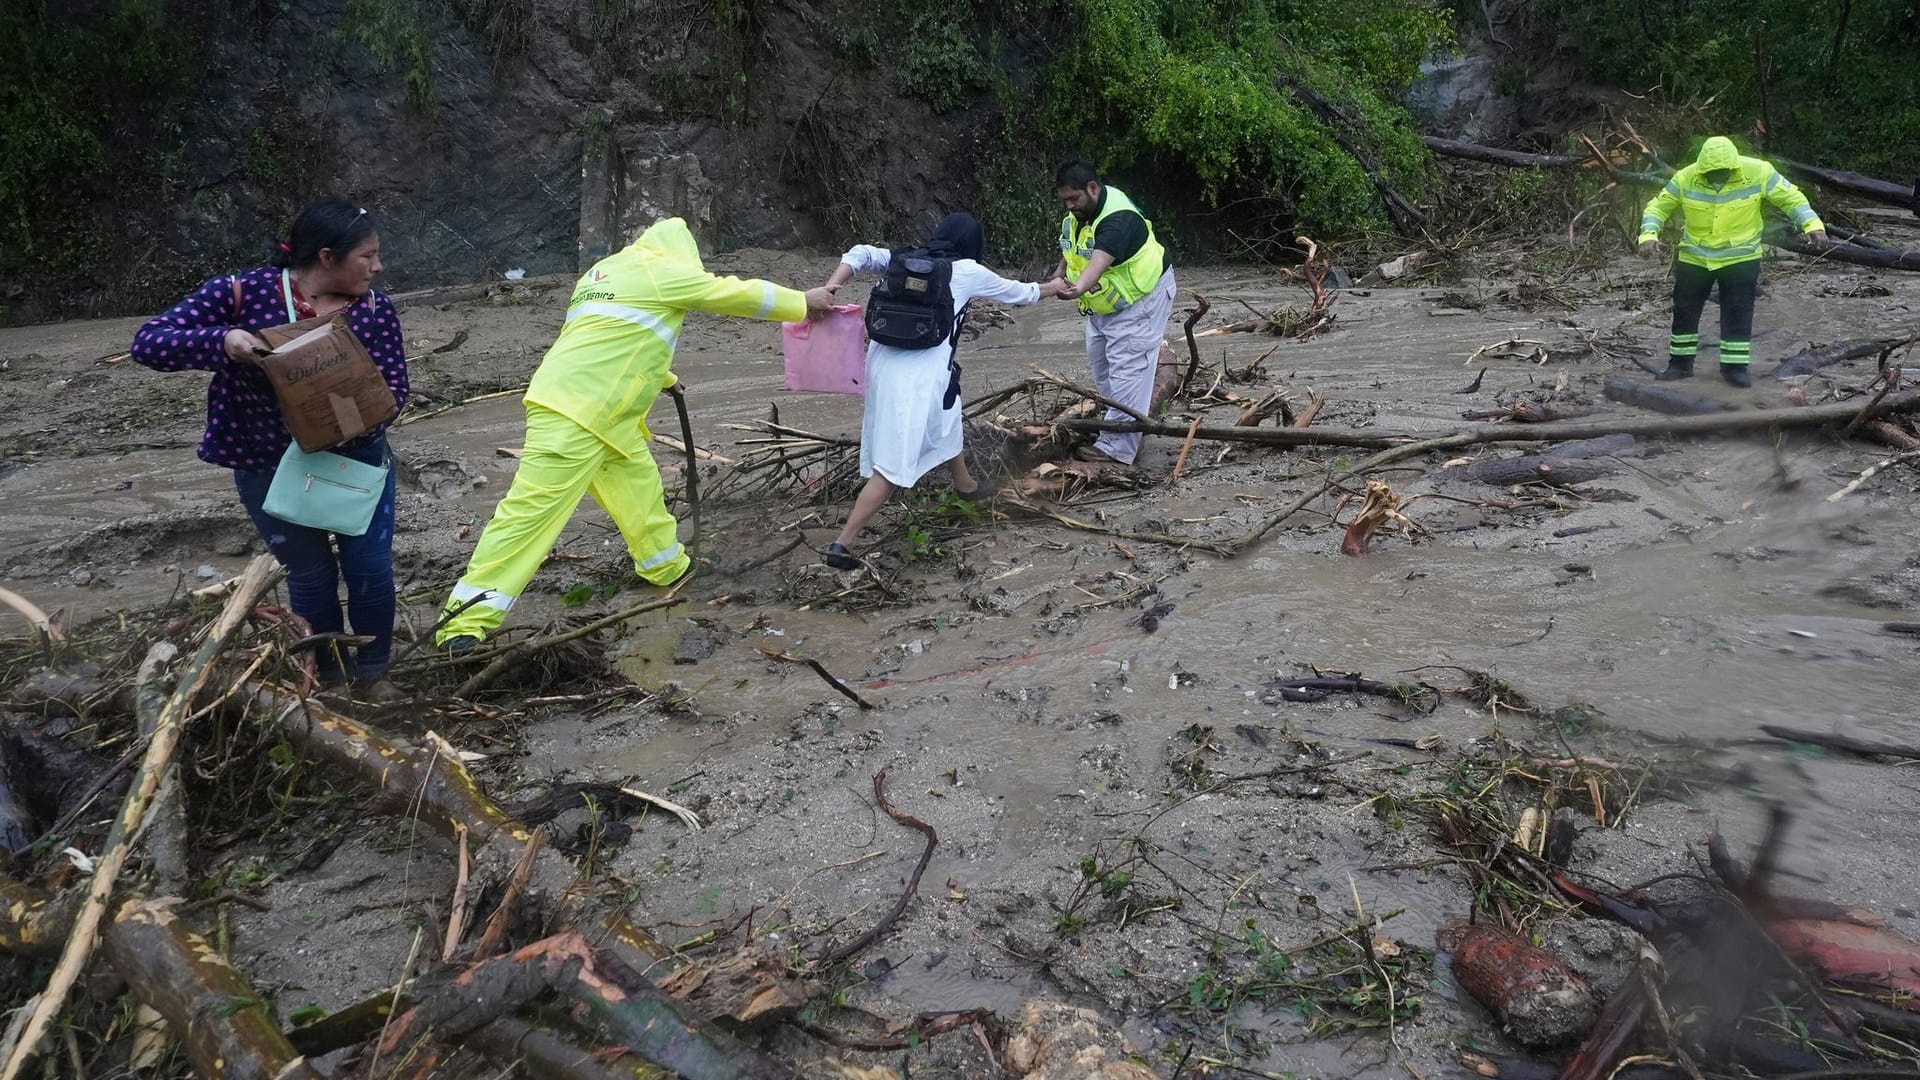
912 306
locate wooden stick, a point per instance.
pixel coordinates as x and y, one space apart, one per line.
1092 396
457 916
1870 472
1384 457
520 652
1200 306
820 669
693 473
496 931
1088 526
261 573
1314 405
1185 449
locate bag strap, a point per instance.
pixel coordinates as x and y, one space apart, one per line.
236 297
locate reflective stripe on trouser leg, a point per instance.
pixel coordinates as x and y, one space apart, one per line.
556 466
1736 352
630 491
1683 346
1130 344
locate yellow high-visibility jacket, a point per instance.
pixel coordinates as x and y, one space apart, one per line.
1721 225
615 353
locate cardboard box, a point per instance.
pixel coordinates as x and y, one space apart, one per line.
330 390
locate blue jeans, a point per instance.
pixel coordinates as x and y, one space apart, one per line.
314 571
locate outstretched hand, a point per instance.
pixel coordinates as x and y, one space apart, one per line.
820 301
1649 249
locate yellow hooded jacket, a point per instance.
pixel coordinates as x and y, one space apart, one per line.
1721 225
615 353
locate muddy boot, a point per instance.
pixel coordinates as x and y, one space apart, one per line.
460 646
1676 370
377 690
1736 374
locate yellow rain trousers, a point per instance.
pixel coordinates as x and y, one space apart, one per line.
586 419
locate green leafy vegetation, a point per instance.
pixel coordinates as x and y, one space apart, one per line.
90 108
1833 82
1217 102
394 33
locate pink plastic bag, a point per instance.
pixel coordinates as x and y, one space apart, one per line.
829 356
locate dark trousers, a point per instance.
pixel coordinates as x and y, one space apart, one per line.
1738 285
314 570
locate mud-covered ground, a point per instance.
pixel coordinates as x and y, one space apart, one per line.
1702 589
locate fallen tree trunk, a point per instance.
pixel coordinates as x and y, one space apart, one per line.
225 1026
631 1009
1730 421
1532 469
1812 360
1661 399
1750 420
1514 159
1853 183
1883 258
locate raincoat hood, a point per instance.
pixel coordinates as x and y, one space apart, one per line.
669 239
1718 153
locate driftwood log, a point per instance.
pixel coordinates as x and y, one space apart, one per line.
1729 422
1661 398
1513 159
1570 463
1853 183
219 1018
1812 360
228 1029
1884 258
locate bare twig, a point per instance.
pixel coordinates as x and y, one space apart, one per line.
834 956
820 669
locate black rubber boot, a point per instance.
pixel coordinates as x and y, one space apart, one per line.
1676 370
1736 374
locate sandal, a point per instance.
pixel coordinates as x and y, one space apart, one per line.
838 557
982 491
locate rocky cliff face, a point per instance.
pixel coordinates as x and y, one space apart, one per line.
600 117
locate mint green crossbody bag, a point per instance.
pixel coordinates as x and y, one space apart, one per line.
325 491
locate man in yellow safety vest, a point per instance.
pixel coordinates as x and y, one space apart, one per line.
1120 275
587 420
1719 197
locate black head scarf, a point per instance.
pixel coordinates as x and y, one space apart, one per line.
958 236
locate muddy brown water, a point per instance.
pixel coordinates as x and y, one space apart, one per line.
1707 601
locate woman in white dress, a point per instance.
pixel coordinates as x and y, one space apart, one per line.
912 423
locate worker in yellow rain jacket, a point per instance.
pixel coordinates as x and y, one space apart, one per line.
1719 197
586 420
1119 274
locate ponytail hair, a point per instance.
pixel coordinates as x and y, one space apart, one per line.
332 224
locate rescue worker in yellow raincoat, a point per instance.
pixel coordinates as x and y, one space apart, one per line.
1121 277
586 420
1719 197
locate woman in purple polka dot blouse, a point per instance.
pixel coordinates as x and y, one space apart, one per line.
326 265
